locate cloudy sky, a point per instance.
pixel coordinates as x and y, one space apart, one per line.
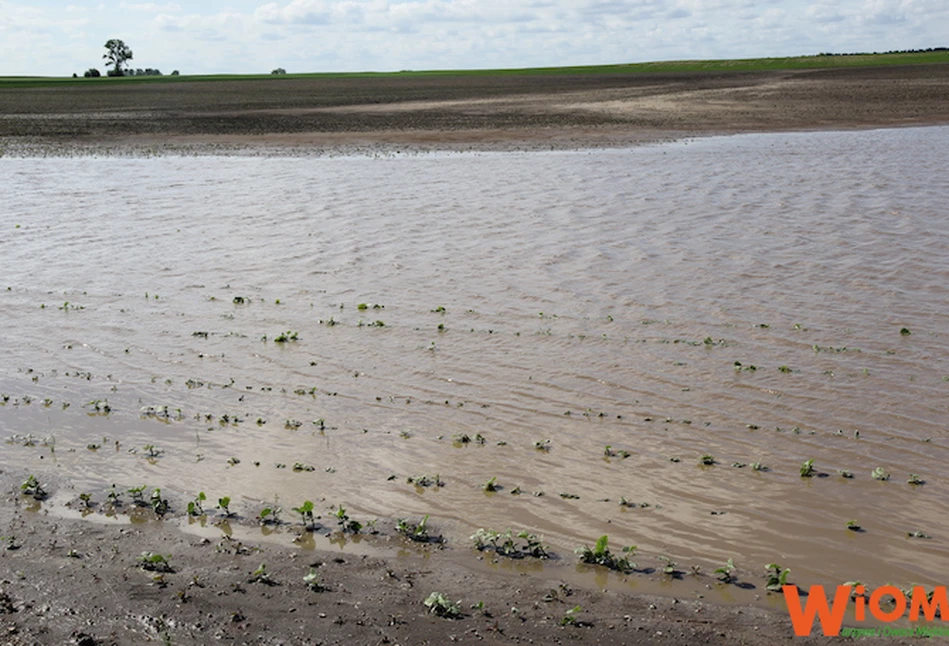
55 38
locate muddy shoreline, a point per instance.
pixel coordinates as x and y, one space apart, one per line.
83 581
509 112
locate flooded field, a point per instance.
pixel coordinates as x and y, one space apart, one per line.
646 343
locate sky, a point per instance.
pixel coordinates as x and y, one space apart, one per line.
55 38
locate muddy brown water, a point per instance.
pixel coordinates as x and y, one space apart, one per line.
591 298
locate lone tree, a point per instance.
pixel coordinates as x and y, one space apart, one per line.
117 52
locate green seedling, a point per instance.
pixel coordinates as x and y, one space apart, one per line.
915 480
845 474
491 485
533 545
570 617
269 515
418 533
707 460
154 562
854 526
880 474
32 487
306 513
313 581
138 495
426 481
286 337
159 504
542 445
224 504
506 543
441 606
100 406
917 534
600 555
784 369
903 331
726 573
807 469
195 507
670 567
345 524
86 500
152 451
260 576
776 577
501 543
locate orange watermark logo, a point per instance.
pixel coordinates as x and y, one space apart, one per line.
831 615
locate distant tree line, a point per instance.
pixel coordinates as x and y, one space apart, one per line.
94 73
117 53
892 51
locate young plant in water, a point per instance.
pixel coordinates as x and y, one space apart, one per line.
306 513
441 606
426 481
346 525
138 495
224 504
776 577
159 504
807 469
915 480
600 555
417 533
195 507
726 573
880 474
670 568
707 460
32 487
269 515
491 485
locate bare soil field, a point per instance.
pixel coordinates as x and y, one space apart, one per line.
472 111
